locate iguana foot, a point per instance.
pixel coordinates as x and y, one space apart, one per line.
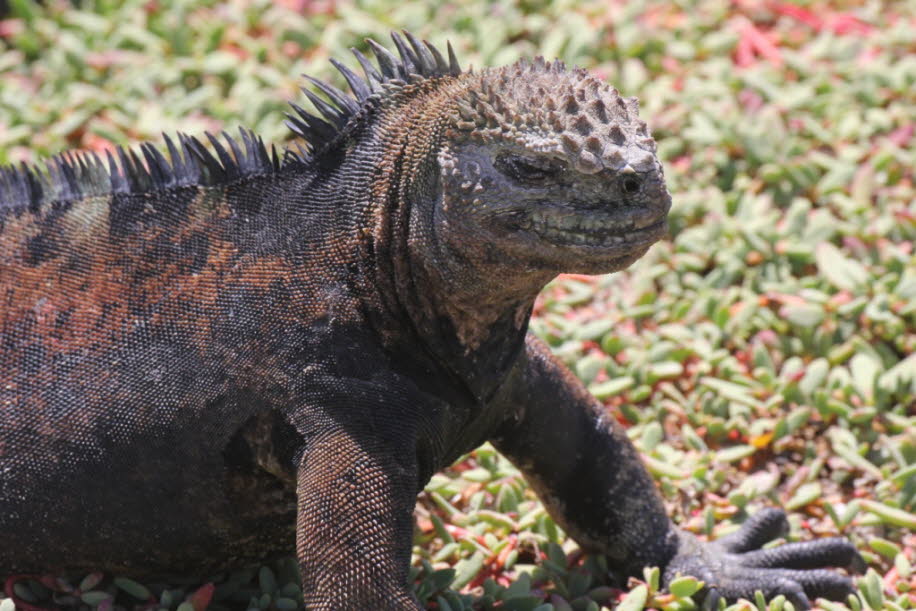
735 567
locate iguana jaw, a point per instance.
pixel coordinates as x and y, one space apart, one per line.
603 248
599 232
592 230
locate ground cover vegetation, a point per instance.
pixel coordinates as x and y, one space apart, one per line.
763 355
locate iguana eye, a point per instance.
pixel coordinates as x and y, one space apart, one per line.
527 169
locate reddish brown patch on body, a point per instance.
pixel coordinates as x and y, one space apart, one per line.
97 287
80 297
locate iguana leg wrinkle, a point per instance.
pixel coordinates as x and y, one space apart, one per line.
353 536
583 467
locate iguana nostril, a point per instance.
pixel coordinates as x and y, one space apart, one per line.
631 185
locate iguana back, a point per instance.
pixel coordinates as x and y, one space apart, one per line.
137 326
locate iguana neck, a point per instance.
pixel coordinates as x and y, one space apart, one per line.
465 309
479 293
480 315
470 313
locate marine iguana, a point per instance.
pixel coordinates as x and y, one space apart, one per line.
216 358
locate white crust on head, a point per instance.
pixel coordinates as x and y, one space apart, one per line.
545 108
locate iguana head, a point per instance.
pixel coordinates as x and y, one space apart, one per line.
546 168
553 168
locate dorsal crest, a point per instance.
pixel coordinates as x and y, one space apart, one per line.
416 60
70 176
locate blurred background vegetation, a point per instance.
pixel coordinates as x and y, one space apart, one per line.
763 355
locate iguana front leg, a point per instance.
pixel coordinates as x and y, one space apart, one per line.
356 494
589 476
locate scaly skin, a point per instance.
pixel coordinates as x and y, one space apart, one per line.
211 361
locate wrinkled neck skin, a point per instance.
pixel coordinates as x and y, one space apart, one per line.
480 291
481 283
424 283
475 302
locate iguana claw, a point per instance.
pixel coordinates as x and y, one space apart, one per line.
735 567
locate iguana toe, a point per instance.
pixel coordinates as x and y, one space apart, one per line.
734 566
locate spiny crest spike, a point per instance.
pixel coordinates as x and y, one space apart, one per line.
357 85
372 75
334 94
332 113
416 59
228 166
388 64
409 61
440 63
423 58
453 65
236 151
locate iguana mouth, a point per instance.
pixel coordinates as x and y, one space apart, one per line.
593 230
